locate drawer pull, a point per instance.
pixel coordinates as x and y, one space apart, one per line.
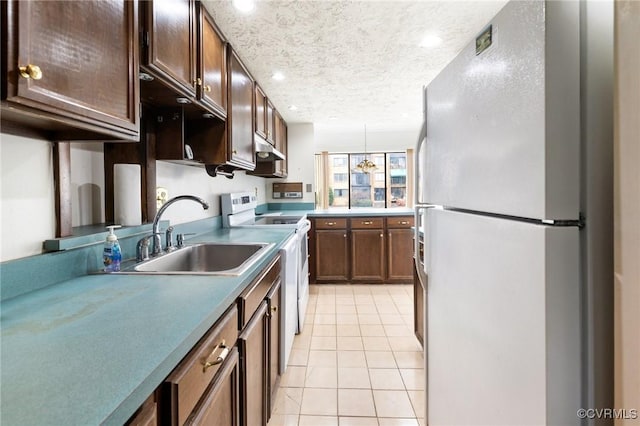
330 223
367 222
218 360
404 222
31 71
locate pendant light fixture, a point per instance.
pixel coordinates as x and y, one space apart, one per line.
365 166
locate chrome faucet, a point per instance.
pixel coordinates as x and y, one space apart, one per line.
157 242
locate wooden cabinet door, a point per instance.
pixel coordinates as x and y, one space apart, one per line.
75 63
219 406
253 368
367 254
212 90
270 123
400 254
240 114
332 250
274 346
281 145
147 414
260 112
171 44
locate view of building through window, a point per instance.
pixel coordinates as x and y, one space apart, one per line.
384 187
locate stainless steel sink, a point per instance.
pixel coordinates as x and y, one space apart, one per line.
205 259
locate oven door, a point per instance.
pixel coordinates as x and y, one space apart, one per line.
303 272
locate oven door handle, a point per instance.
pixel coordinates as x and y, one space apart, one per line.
306 227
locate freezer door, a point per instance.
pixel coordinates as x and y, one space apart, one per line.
503 126
502 321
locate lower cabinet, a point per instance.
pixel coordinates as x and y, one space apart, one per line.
259 345
220 405
332 255
231 375
367 255
186 386
253 362
275 318
362 249
399 258
147 414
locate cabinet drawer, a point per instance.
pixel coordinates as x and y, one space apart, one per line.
256 292
331 223
400 222
220 404
184 387
367 223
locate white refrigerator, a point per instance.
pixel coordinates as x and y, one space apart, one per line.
500 190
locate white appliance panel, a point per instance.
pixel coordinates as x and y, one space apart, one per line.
503 126
503 312
288 299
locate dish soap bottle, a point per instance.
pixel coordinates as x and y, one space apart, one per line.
111 255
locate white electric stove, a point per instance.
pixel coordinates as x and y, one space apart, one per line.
238 210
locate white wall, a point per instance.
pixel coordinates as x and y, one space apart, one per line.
182 180
27 198
87 184
352 138
27 206
300 162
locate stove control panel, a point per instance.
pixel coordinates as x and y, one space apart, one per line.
237 202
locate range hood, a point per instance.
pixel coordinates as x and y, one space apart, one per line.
265 151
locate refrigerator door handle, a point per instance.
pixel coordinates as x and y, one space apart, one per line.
416 164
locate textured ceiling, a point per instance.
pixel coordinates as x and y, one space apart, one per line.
347 61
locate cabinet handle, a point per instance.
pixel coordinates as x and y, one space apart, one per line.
367 222
218 360
274 309
330 223
197 82
381 235
31 71
207 88
344 235
404 222
234 152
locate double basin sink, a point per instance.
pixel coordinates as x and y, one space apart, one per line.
230 259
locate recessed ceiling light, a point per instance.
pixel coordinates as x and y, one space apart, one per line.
430 40
293 108
278 76
244 5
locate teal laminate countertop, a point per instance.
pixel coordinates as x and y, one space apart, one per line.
90 350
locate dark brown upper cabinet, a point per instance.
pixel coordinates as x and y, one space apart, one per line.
185 51
212 65
240 113
275 168
261 112
70 69
169 44
235 148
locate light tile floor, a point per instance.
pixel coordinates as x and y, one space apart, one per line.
356 362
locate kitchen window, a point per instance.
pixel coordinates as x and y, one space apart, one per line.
341 184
